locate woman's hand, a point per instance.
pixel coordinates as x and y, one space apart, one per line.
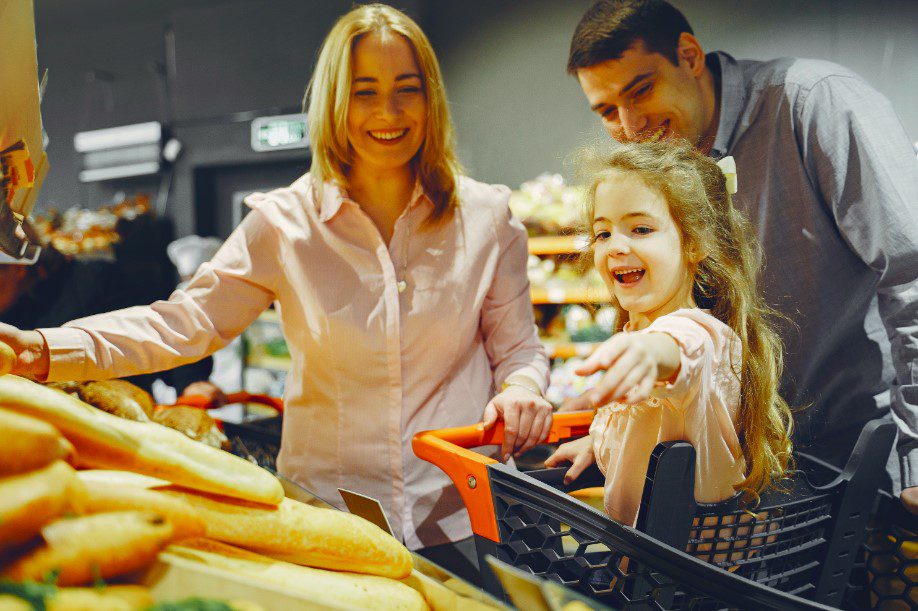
32 360
526 416
633 363
578 452
214 395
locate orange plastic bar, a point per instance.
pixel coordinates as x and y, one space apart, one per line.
448 449
236 397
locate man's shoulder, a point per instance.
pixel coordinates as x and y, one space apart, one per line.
793 74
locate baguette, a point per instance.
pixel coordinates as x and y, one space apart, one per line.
81 550
105 441
7 359
441 598
301 534
102 497
29 501
329 587
29 444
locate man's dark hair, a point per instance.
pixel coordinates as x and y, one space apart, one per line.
611 27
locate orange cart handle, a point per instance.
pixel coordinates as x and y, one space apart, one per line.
236 397
448 449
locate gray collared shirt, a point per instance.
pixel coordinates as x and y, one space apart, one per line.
829 178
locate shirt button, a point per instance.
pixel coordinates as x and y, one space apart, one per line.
402 285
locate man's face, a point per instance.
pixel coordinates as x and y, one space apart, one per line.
643 96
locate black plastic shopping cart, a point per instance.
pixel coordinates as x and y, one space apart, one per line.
797 546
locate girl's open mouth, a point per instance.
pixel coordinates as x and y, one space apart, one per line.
628 276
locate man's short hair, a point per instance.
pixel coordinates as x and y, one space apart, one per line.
611 27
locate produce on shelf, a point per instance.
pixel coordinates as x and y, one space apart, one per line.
547 206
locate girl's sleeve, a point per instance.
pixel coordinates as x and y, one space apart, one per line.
507 324
222 299
700 343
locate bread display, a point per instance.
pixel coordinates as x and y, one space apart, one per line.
102 497
106 441
30 500
82 549
342 590
194 423
29 444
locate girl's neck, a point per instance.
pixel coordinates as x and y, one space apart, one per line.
642 320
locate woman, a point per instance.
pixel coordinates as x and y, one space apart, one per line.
401 286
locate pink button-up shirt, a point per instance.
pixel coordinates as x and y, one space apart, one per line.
385 341
700 407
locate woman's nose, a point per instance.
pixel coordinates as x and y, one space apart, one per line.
390 106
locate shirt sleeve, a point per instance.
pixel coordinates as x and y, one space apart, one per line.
222 299
859 155
507 324
697 354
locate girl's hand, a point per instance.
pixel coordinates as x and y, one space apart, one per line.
633 363
579 453
32 360
527 419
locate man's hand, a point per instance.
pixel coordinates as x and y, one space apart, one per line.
526 416
633 363
909 498
32 360
578 452
210 391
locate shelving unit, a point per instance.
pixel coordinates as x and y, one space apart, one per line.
557 245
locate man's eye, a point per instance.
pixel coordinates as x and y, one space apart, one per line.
642 230
642 90
610 114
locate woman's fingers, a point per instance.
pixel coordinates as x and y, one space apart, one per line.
511 429
538 430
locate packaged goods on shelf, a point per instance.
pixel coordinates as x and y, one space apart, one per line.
547 206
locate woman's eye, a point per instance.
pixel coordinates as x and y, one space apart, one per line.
409 90
642 230
363 93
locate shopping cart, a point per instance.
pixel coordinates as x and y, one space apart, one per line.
798 542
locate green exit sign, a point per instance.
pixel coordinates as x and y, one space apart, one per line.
280 132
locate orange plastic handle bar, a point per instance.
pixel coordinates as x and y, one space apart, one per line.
448 449
236 397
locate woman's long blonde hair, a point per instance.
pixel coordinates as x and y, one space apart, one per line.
725 281
329 92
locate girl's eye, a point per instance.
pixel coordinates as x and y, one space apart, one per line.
601 236
642 230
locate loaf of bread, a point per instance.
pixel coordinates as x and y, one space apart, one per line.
102 497
7 359
193 422
301 534
29 501
105 441
27 444
84 549
329 587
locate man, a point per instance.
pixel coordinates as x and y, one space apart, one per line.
830 180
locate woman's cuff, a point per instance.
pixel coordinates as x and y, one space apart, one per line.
67 353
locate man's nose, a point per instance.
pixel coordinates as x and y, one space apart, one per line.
633 122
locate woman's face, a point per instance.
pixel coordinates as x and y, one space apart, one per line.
387 114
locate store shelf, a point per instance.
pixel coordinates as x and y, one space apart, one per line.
567 350
568 295
557 244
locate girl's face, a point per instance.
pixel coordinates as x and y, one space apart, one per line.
387 114
638 250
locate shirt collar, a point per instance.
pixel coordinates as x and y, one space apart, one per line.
732 100
334 196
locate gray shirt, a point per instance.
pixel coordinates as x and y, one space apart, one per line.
829 178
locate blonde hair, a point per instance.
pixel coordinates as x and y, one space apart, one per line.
329 92
725 281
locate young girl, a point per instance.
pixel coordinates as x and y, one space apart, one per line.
696 358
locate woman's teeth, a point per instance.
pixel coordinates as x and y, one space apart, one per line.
629 276
392 134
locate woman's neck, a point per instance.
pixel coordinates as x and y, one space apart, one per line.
380 191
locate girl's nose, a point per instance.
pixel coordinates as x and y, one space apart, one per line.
618 245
